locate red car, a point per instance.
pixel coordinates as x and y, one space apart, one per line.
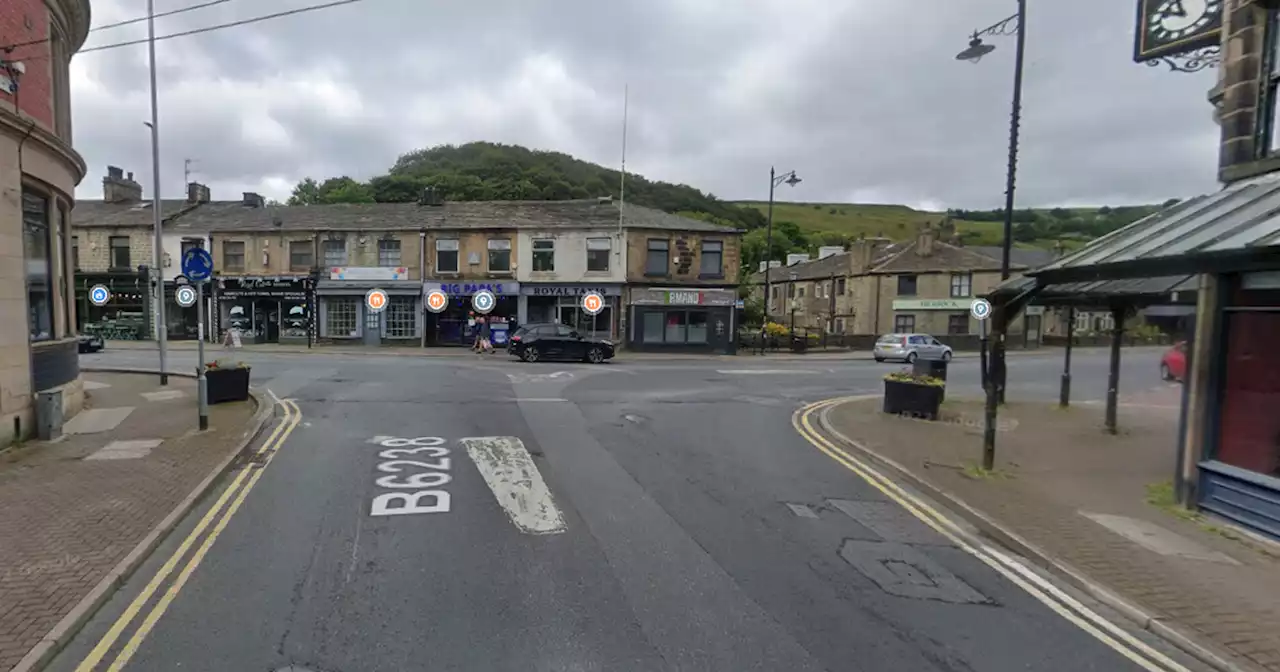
1173 365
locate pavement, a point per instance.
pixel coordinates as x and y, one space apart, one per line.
1095 508
477 513
73 511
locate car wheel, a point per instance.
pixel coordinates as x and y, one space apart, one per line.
531 354
946 356
880 360
911 357
1165 373
595 356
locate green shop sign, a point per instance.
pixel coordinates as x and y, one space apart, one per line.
932 304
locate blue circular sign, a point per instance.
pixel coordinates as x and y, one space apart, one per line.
197 264
980 309
483 301
99 295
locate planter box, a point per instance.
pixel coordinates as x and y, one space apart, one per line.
910 399
227 385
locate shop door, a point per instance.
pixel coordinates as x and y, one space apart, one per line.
372 328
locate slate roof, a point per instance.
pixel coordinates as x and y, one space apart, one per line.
1018 256
576 214
99 213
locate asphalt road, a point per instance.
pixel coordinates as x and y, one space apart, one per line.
643 515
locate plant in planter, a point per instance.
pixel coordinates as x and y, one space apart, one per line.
914 395
226 381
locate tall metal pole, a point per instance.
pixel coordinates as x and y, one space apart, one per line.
202 383
162 327
1064 390
1015 121
768 247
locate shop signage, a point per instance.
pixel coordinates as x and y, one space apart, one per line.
685 297
368 273
932 304
469 288
571 290
288 289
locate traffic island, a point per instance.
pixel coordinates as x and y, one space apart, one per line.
1074 499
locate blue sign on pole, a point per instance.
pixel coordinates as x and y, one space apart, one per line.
197 264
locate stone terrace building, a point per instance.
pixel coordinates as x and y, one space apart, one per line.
39 171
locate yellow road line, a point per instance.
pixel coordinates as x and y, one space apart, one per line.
1154 662
117 629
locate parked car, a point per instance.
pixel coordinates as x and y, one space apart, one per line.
910 347
90 343
536 342
1173 365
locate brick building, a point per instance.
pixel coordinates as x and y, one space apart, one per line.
39 171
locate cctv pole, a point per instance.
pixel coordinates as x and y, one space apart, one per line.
162 328
202 383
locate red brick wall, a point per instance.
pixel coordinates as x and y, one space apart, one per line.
35 95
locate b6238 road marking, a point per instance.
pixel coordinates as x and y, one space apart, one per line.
401 457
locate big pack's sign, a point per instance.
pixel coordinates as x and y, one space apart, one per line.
570 290
469 288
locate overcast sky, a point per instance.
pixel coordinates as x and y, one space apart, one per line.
862 97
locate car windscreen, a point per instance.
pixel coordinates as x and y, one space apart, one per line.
890 338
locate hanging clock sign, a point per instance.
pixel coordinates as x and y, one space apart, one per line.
1175 27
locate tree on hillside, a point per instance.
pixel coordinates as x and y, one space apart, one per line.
333 190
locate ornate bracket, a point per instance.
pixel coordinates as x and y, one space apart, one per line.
1192 61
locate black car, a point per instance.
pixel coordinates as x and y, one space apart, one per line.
90 343
536 342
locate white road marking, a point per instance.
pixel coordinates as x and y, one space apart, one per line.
509 471
765 372
540 399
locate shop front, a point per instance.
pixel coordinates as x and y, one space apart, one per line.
126 317
454 325
264 309
344 317
695 320
561 303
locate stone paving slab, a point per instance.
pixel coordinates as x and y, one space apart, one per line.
1056 465
66 521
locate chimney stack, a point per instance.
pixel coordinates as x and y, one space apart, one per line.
117 188
253 200
430 197
925 242
197 193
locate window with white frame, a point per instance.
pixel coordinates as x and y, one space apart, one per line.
1269 123
598 252
712 261
499 255
389 253
544 255
340 317
402 317
447 255
961 285
335 252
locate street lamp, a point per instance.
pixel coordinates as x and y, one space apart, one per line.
1015 25
162 326
790 179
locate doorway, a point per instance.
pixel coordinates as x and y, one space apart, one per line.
372 328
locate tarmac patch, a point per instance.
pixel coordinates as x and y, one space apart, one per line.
903 571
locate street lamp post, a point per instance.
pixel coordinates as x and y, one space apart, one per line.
791 180
162 326
1016 25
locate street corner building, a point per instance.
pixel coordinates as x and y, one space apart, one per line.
39 171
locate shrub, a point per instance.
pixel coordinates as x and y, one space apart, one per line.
906 376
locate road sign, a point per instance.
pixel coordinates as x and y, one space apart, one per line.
483 301
437 301
376 300
197 264
185 296
99 295
592 303
980 309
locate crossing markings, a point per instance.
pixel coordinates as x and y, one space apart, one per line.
218 516
509 471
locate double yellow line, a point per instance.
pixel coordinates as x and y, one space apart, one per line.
1037 586
235 493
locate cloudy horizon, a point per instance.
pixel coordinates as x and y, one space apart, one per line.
719 91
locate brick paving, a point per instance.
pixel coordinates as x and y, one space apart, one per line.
1054 463
66 522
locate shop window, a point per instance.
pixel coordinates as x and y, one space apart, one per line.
544 255
907 285
598 252
961 285
301 255
39 261
658 260
697 327
340 317
653 327
1249 427
119 249
402 317
233 255
712 263
389 253
447 255
904 324
677 323
958 325
499 255
75 253
335 252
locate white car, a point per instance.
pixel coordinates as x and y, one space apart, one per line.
910 347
